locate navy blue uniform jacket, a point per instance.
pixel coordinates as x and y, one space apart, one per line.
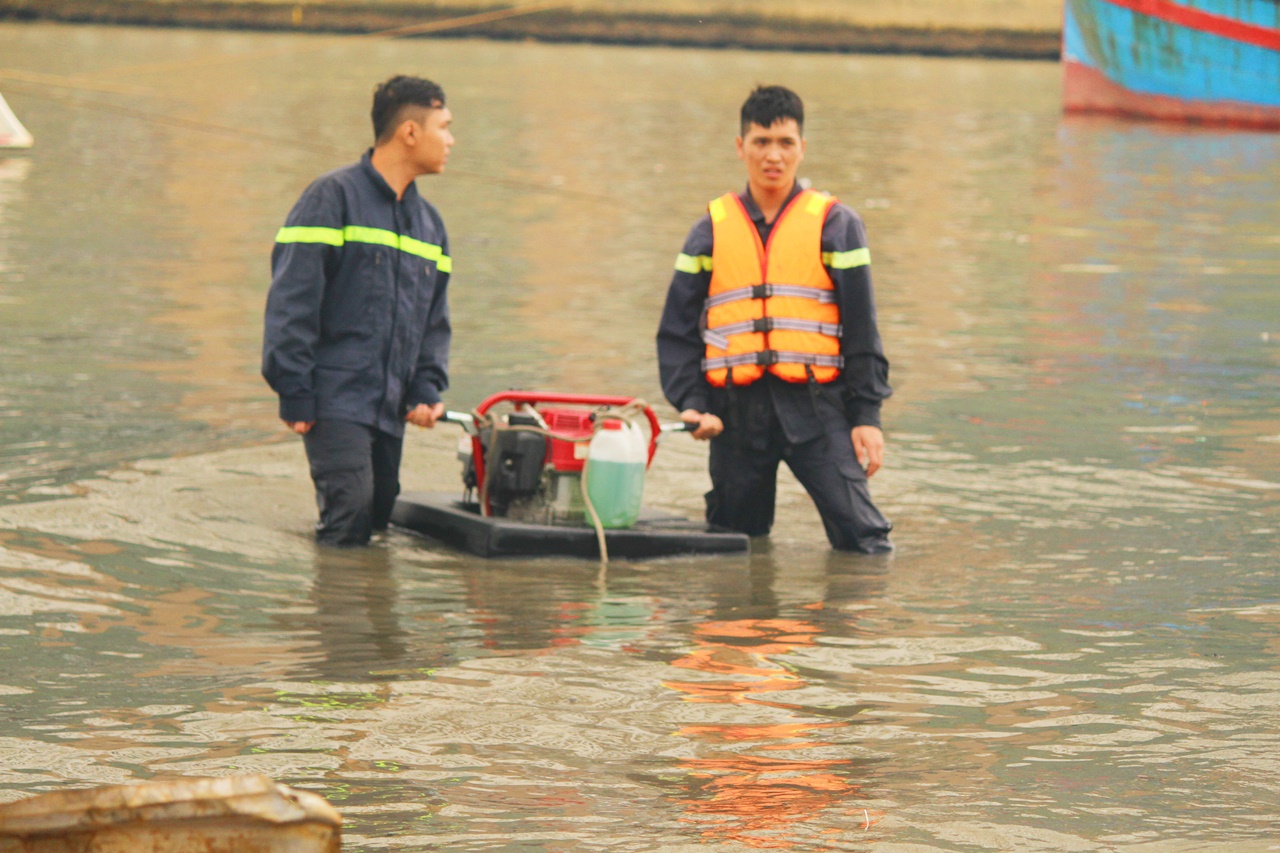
357 320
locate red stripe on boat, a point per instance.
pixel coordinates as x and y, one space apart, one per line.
1088 90
1206 22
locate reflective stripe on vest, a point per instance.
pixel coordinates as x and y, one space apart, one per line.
760 291
719 337
772 308
771 357
361 234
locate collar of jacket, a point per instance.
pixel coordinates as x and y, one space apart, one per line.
379 182
753 209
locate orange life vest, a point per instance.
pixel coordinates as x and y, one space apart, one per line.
770 307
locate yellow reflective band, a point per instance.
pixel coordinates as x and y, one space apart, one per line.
304 234
718 212
430 251
693 264
847 260
361 234
376 236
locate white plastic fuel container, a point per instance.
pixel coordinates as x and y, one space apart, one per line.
616 460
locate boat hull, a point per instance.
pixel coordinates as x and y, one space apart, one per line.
442 516
12 133
1204 61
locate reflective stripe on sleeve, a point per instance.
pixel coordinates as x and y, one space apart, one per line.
361 234
305 234
693 264
847 260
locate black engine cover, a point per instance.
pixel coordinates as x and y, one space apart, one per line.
514 460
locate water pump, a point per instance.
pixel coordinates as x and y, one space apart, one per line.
527 464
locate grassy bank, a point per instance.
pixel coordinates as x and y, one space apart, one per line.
1025 29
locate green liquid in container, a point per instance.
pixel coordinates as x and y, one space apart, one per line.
616 489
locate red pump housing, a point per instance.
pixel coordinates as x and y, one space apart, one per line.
568 455
562 454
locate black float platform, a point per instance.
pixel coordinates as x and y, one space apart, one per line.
443 516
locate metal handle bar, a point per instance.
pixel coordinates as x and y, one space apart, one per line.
468 423
462 419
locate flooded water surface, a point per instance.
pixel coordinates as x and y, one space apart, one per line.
1076 646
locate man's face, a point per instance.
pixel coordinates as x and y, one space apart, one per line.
772 154
432 141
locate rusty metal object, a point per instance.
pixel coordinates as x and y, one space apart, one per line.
238 814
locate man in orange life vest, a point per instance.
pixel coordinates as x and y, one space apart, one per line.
768 340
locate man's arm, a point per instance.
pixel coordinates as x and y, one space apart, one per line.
680 345
304 256
864 382
431 373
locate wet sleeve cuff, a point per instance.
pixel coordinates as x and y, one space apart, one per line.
298 409
862 412
697 402
424 393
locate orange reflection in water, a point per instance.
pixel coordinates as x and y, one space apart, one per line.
757 800
742 648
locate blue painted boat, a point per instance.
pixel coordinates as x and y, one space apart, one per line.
1206 61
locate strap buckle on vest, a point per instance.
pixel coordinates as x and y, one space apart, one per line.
766 358
762 324
761 291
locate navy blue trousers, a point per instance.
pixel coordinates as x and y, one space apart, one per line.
356 471
744 478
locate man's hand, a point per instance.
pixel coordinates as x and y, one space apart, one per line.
425 416
709 426
868 444
300 427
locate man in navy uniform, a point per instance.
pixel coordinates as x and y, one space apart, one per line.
357 330
768 340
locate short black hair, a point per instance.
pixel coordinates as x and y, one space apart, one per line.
390 99
769 104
